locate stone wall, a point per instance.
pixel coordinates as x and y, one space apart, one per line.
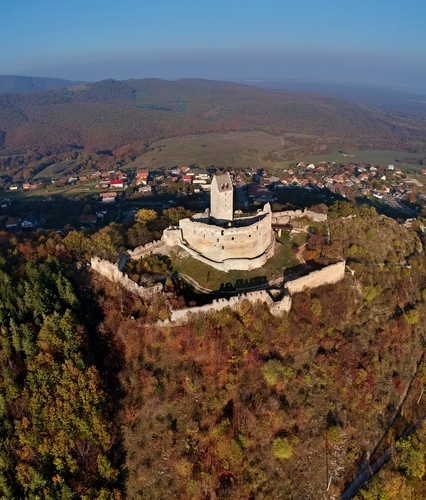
154 247
288 215
182 315
111 272
221 198
326 276
219 244
235 264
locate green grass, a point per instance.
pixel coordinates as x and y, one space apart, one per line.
235 149
55 171
212 279
373 156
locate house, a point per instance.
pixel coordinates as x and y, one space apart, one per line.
13 222
87 220
141 177
338 178
30 222
100 211
116 183
108 197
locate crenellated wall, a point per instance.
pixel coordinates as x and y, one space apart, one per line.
157 246
182 315
328 275
111 272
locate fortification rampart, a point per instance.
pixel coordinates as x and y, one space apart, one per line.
234 264
219 244
288 215
111 272
157 247
326 276
182 315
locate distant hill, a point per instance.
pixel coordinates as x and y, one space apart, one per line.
17 84
409 103
111 114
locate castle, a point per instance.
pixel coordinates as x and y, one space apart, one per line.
214 237
217 239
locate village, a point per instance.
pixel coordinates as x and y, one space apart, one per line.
103 197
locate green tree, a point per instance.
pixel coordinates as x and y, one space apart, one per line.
145 215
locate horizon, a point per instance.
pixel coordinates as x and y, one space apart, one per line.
363 44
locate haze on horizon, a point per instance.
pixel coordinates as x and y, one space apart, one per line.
364 42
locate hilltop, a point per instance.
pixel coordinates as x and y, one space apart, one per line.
16 84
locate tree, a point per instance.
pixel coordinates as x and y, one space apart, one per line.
145 215
175 214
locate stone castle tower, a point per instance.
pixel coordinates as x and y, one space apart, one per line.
221 200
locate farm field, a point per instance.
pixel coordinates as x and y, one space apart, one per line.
55 171
373 156
234 149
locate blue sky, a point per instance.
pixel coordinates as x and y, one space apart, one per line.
374 41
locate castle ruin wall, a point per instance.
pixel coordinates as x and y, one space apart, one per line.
234 264
287 216
182 315
219 244
326 276
154 247
112 273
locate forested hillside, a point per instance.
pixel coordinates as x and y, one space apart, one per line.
98 402
56 429
16 84
110 114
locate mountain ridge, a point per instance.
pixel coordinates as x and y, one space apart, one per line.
111 114
16 84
